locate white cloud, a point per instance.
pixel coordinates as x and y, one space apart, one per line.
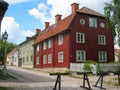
17 1
42 13
16 35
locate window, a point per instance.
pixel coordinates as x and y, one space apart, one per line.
23 59
44 45
37 47
37 60
92 22
49 58
60 57
31 58
101 39
45 59
80 37
60 39
102 56
50 43
27 58
80 55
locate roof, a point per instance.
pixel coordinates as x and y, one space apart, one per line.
117 51
27 40
62 25
86 10
54 29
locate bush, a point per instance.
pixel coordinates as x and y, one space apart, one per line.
87 67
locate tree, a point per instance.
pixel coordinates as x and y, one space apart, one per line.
9 47
112 13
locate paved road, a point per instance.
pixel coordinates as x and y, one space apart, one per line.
37 80
27 76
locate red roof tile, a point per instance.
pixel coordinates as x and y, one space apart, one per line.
117 51
54 29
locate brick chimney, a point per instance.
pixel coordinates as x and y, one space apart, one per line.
57 18
74 7
46 24
38 31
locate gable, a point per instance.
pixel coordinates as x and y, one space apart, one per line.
88 11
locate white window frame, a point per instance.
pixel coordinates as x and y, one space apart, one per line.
80 55
60 39
50 42
80 37
60 57
44 59
49 58
92 22
44 45
37 61
101 39
102 56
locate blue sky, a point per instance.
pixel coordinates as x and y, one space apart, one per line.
24 16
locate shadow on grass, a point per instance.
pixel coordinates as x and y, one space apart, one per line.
7 77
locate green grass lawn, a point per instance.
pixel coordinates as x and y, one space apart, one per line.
8 76
4 88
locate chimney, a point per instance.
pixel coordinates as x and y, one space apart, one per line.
74 7
46 25
37 31
57 18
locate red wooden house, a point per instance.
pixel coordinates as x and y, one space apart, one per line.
81 36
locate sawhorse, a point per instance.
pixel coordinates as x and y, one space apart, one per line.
58 80
100 80
85 79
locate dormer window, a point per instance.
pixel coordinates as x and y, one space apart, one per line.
92 22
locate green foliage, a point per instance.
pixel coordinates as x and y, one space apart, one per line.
112 13
119 57
9 47
100 70
87 67
91 62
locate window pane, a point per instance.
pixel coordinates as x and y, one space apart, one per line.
37 60
80 55
60 56
102 40
92 22
44 45
102 56
49 58
60 39
45 59
50 43
80 37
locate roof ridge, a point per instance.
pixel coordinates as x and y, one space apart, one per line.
87 10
